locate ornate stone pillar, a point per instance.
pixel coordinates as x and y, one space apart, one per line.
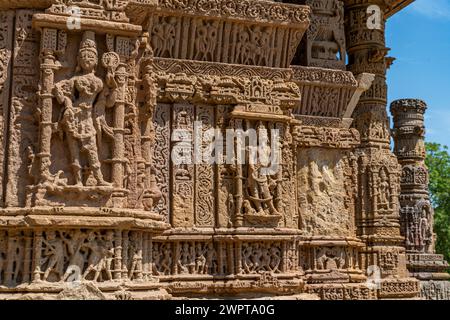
415 207
377 218
238 218
49 40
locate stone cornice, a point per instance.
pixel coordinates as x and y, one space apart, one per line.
391 6
261 11
41 4
265 8
323 76
341 138
397 6
191 67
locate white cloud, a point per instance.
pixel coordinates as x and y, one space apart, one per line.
432 8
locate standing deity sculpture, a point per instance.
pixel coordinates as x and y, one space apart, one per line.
425 231
383 190
77 95
261 185
325 39
200 260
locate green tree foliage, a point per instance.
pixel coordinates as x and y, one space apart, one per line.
438 163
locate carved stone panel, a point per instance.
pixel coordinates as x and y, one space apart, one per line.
183 171
324 43
109 144
248 33
69 255
161 157
225 174
205 202
325 92
321 193
23 127
6 48
261 257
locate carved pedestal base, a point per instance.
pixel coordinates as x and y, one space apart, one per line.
427 266
331 260
86 290
244 261
430 269
265 284
252 220
435 290
402 288
78 253
51 195
385 289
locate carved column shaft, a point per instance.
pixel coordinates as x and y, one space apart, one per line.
378 216
409 134
48 47
28 256
125 248
415 206
238 219
37 255
118 255
118 149
147 147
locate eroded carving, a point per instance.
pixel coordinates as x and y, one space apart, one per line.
95 195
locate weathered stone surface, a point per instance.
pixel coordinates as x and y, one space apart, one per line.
82 291
416 208
98 105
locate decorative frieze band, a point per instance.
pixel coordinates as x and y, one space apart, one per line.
180 87
308 136
205 68
323 76
329 93
262 11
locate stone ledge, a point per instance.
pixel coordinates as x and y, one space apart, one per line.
47 217
44 20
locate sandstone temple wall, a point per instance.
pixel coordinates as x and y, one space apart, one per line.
97 96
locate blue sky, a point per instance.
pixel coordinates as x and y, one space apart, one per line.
419 37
